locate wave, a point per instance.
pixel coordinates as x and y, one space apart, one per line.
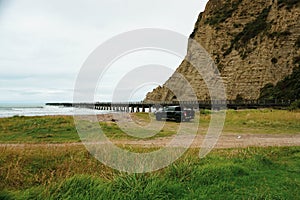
45 111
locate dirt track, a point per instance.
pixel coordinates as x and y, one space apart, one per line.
224 141
227 141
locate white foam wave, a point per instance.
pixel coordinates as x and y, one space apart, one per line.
45 111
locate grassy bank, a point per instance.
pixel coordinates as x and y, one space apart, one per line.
71 173
38 129
61 129
264 121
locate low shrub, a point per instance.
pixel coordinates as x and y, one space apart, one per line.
288 3
297 44
295 105
223 13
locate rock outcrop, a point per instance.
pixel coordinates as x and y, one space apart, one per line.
253 43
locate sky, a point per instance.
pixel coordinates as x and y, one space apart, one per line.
43 44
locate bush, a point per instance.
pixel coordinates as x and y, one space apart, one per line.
296 61
274 60
225 12
297 44
295 105
4 195
287 3
279 34
287 89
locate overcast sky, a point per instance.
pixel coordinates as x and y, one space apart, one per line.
43 43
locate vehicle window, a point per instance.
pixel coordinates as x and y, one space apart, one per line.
170 109
178 109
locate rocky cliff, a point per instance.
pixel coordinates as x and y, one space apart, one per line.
255 44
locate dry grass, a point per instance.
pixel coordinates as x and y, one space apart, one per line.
24 167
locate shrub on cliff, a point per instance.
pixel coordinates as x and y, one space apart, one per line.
289 88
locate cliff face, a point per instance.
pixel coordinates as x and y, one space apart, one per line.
253 43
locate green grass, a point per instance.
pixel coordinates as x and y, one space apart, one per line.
262 122
113 131
70 173
138 126
61 129
38 129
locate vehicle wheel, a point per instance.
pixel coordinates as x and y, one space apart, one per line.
158 117
178 119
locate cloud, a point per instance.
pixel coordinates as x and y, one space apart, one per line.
44 43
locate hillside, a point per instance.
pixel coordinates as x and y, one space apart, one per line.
255 44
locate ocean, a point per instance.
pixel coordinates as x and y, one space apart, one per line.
10 110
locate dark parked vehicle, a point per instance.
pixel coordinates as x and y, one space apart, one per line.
176 113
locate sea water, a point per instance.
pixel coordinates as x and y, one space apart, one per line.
10 110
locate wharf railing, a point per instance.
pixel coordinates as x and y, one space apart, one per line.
202 104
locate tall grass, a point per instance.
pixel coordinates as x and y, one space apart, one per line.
70 173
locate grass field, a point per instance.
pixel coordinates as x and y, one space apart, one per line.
35 170
71 173
61 129
264 121
38 129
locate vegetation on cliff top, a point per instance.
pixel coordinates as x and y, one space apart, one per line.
192 36
223 13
